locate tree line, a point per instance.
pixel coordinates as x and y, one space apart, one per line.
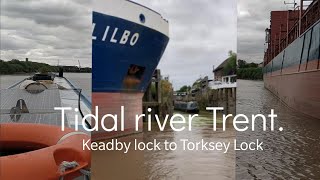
250 71
19 67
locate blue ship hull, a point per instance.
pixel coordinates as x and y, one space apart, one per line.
124 54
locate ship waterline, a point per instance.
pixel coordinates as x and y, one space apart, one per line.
293 75
128 41
111 103
299 91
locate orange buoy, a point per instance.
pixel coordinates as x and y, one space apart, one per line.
45 148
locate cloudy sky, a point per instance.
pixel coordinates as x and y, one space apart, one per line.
253 19
47 31
201 34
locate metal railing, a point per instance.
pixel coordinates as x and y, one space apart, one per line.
306 19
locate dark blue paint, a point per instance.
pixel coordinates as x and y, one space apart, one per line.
110 61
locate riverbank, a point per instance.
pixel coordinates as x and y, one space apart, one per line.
251 73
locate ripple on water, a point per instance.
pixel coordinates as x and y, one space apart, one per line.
292 153
180 164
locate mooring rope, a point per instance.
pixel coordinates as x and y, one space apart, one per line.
79 107
66 165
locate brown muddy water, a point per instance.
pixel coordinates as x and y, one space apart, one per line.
187 164
177 164
290 154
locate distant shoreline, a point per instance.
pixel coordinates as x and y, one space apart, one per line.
32 73
18 67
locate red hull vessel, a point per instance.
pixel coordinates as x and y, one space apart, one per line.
299 91
291 62
110 103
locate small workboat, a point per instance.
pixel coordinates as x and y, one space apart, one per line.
33 145
186 106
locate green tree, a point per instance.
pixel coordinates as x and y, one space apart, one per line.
242 63
184 88
16 66
231 64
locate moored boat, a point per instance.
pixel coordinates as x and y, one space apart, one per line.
186 106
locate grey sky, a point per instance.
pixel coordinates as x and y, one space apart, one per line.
46 31
201 34
253 19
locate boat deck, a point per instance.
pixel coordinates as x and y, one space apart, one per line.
40 106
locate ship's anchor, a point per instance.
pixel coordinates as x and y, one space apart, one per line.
15 112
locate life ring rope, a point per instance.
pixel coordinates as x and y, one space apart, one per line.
61 158
66 165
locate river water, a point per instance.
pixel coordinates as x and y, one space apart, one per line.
290 154
171 164
191 164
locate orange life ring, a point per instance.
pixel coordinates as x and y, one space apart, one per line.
47 148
